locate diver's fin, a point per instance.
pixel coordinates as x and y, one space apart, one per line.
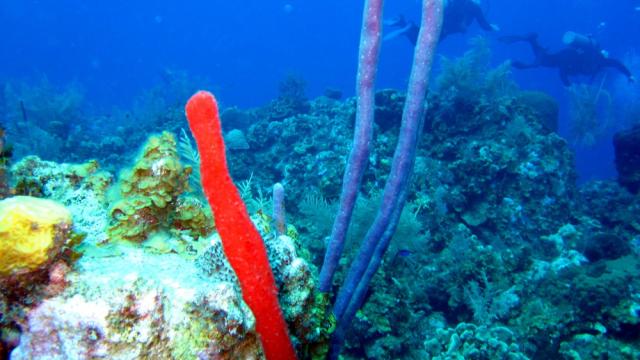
396 22
396 33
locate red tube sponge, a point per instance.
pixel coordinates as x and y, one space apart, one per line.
241 241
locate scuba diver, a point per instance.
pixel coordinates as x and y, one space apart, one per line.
581 56
458 16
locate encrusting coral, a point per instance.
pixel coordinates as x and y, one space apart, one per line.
81 188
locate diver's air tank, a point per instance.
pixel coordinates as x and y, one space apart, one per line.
572 38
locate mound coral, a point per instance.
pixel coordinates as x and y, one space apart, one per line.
32 233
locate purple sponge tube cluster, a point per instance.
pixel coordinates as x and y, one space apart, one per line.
376 242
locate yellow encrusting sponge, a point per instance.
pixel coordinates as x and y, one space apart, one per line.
32 232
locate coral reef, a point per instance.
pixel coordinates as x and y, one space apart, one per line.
125 301
501 230
627 145
43 120
499 253
235 140
297 151
295 279
57 123
544 107
5 156
235 118
122 299
596 346
468 341
291 100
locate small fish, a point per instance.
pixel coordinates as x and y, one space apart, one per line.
404 253
402 256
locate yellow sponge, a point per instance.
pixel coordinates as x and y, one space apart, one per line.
31 232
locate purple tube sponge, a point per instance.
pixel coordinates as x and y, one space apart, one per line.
279 213
370 38
376 241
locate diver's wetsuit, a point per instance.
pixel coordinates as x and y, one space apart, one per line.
570 61
458 16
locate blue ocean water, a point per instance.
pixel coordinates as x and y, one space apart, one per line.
498 239
116 49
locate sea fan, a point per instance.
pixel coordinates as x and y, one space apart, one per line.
190 155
